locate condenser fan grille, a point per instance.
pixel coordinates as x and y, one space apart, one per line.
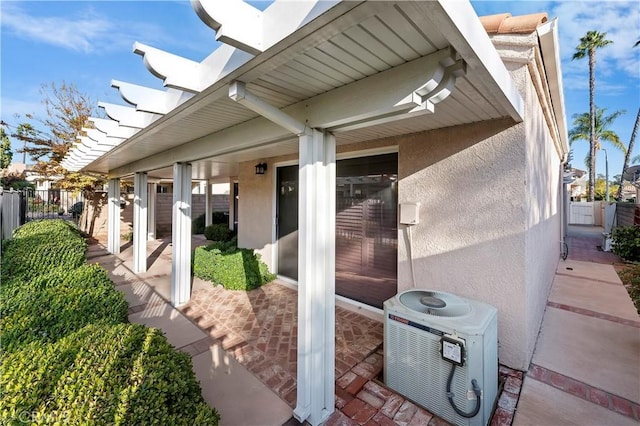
435 303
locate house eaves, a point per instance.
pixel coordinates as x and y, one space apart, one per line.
550 48
532 40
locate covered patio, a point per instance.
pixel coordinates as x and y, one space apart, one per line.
416 90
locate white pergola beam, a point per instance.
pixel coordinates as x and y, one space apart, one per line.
236 23
165 65
151 100
181 235
396 91
113 217
239 93
112 128
127 116
140 201
241 25
184 74
467 35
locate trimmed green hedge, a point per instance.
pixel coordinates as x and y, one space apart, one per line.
232 267
56 304
67 355
198 226
40 246
218 232
121 374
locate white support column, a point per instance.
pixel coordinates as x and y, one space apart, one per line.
151 210
232 204
140 222
181 256
208 210
316 277
113 212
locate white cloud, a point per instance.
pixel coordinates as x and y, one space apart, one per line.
79 34
85 31
620 20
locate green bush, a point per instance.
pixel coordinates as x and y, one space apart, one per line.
218 232
56 304
119 374
40 246
67 357
198 224
626 242
234 268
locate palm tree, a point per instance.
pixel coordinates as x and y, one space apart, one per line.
602 132
632 141
588 44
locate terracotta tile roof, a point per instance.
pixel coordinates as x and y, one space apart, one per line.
504 23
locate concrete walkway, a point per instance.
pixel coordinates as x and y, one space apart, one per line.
586 365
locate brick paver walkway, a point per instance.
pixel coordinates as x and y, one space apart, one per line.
260 329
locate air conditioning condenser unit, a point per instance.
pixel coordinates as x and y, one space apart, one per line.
441 351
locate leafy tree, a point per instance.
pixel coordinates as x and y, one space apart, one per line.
26 133
601 188
601 132
587 48
67 112
6 155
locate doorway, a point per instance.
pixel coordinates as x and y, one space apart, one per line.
366 227
287 221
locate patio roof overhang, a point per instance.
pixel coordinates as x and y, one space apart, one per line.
361 70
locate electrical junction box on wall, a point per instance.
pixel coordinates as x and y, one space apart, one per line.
410 213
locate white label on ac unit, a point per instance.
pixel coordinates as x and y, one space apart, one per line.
452 351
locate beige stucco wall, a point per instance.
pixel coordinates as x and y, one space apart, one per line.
470 240
543 224
255 209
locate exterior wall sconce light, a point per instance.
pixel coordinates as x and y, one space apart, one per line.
261 168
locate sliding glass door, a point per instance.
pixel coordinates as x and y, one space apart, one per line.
366 227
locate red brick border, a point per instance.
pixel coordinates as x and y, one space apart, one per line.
508 398
584 391
594 314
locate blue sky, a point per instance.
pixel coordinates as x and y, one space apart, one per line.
88 43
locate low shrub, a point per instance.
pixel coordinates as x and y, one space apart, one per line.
232 267
53 305
118 374
198 224
626 242
218 232
40 246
